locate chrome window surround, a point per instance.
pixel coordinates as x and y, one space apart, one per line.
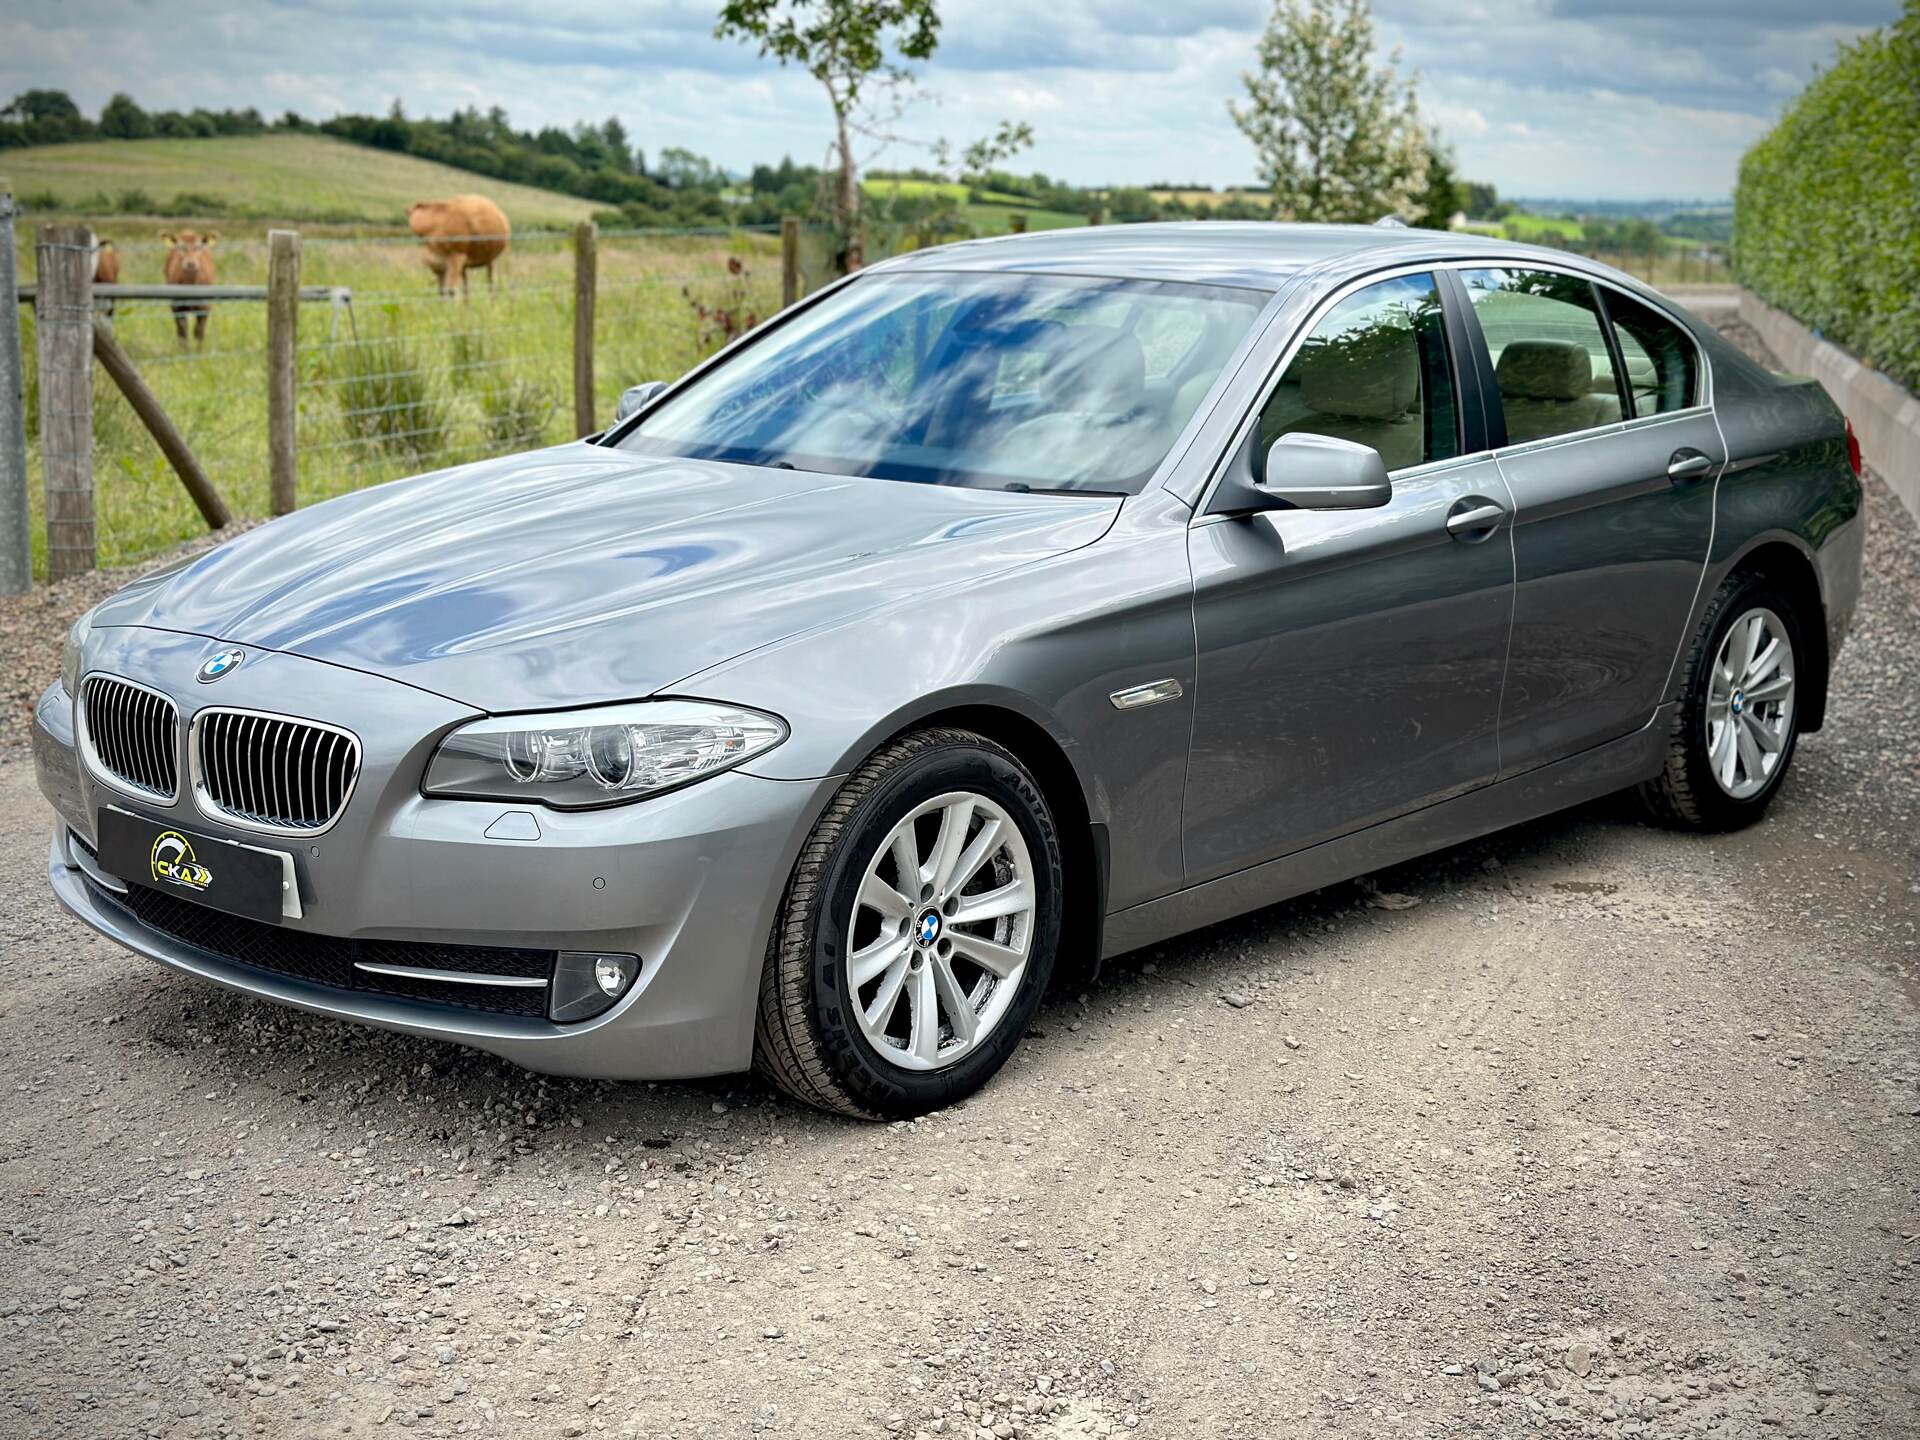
1492 261
97 768
207 805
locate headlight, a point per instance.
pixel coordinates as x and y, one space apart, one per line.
573 760
70 653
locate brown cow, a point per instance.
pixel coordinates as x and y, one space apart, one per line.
106 269
466 232
190 262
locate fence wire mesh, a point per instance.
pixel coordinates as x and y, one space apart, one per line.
398 380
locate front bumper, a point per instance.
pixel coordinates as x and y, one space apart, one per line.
689 881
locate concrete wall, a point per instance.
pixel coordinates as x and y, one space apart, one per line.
1885 416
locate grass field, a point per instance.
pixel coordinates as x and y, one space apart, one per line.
401 381
281 177
1523 225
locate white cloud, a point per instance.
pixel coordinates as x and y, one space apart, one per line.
1611 98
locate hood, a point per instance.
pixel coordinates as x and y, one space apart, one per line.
582 574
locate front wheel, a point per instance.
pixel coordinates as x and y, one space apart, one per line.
917 933
1736 725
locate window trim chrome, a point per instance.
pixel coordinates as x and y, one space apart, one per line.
1493 260
97 768
214 811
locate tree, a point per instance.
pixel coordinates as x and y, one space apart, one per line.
121 119
1338 138
1009 140
849 47
1484 202
1445 193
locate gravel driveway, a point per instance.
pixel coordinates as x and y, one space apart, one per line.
1586 1128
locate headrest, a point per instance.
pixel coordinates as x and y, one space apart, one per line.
1096 369
1544 370
1366 382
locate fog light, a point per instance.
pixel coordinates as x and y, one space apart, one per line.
613 973
587 982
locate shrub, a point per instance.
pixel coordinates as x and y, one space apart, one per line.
1826 217
387 401
517 411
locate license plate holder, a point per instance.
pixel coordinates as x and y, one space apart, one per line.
191 865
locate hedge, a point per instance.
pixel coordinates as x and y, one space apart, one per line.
1826 215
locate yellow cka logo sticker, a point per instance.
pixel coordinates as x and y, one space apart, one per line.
174 862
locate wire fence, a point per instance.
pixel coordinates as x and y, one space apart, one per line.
398 380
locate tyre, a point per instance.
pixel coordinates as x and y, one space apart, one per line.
1734 730
917 933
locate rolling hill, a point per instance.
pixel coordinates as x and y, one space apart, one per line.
313 178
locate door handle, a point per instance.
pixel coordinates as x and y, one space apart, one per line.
1686 466
1475 522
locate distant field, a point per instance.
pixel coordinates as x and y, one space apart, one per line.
277 177
1207 198
1525 226
915 189
998 219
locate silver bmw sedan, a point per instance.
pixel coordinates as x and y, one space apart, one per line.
1005 607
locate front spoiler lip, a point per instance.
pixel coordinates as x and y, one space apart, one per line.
476 1028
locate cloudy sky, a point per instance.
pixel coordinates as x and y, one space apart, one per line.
1618 99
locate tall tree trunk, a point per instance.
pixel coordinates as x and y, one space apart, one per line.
847 197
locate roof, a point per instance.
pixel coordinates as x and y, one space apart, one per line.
1255 253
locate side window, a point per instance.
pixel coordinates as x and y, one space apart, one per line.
1375 370
1663 367
1550 356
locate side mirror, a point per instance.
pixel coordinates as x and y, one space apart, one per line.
1304 472
1319 472
637 397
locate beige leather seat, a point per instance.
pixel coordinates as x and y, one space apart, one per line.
1364 397
1546 388
1099 426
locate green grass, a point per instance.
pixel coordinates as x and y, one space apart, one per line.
282 177
1523 225
998 219
915 189
401 382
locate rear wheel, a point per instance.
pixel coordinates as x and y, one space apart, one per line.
1737 723
917 933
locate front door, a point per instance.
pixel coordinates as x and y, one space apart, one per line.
1350 662
1611 462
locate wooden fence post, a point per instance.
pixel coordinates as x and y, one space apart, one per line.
122 371
1017 222
789 260
16 539
64 320
283 334
586 241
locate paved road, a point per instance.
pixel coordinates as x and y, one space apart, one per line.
1613 1131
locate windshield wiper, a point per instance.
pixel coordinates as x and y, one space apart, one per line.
1022 488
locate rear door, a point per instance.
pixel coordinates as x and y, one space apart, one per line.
1611 457
1350 662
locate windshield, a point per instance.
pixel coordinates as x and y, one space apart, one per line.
1000 381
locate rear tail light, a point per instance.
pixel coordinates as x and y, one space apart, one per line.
1853 450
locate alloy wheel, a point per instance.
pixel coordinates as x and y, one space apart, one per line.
941 931
1749 713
